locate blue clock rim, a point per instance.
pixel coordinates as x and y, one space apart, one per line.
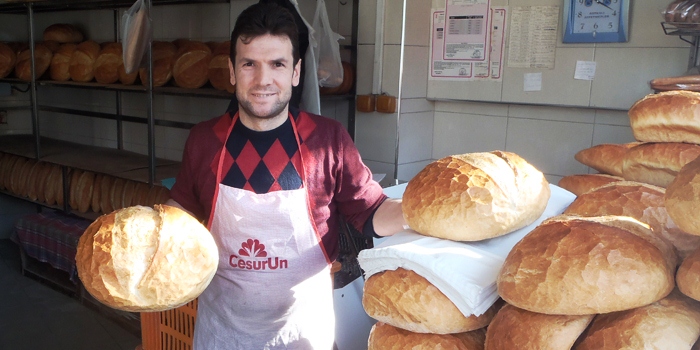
607 37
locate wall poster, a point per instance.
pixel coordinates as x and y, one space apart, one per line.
461 47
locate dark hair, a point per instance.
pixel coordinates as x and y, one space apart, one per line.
261 19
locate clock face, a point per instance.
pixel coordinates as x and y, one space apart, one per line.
596 16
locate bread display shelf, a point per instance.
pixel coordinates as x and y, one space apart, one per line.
682 29
123 164
19 6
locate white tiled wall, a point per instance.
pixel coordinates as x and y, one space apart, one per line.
540 127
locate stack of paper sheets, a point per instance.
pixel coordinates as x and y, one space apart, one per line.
465 272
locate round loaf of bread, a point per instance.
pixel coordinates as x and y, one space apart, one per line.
163 57
96 196
8 57
53 177
657 163
106 194
60 62
191 66
688 276
116 193
383 336
670 323
82 63
219 75
606 158
638 200
141 195
145 259
682 198
127 78
514 328
73 188
32 180
579 184
84 190
42 58
63 33
405 299
582 266
128 193
475 196
669 116
6 170
16 173
108 63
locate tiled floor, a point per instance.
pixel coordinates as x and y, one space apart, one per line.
34 316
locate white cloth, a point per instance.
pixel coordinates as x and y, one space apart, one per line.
465 272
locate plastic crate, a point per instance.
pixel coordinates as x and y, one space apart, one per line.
170 329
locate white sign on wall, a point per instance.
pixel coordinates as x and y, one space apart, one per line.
457 52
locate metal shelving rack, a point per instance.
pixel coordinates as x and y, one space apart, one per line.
31 7
688 32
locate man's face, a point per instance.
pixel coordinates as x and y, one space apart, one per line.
263 74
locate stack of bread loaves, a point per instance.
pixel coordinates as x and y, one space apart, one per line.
86 191
611 272
146 259
667 131
420 300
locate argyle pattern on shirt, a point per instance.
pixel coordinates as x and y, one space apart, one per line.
262 161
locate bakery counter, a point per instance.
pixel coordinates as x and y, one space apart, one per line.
118 163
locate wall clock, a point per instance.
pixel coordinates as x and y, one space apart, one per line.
596 21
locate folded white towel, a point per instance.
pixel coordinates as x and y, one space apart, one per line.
465 272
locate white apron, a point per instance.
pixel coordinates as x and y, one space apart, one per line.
273 287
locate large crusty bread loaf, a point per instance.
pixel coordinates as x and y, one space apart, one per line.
42 61
582 266
8 57
670 323
657 163
146 259
475 196
405 299
82 63
514 328
386 337
606 158
579 184
63 33
163 57
688 276
638 200
219 74
60 62
669 116
682 198
108 63
191 66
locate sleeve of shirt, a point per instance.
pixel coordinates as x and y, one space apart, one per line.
358 196
184 191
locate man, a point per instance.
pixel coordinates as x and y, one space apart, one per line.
271 181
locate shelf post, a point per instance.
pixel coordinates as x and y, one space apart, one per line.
151 124
32 85
120 136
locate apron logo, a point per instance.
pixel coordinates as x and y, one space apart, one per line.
252 257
